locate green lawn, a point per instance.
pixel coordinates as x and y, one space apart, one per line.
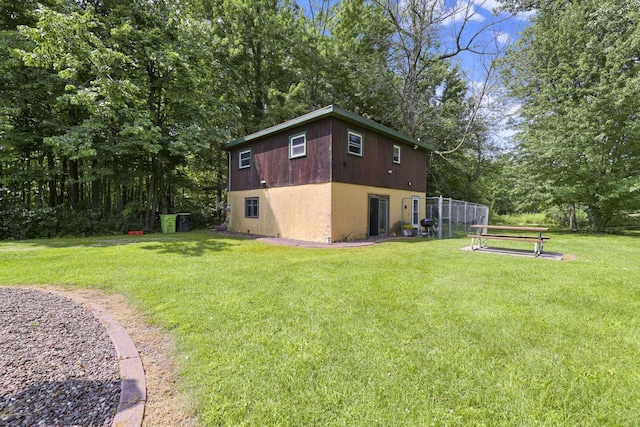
413 332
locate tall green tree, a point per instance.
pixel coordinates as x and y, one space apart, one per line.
576 72
261 47
358 75
28 171
117 109
138 100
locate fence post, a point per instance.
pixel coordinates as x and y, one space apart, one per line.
440 217
478 216
475 213
450 200
465 217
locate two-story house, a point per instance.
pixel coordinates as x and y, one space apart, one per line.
325 176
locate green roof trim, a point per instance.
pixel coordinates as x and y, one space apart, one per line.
329 111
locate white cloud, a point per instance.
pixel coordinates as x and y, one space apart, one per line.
495 5
489 5
506 128
506 135
476 85
513 109
462 12
503 38
501 114
525 16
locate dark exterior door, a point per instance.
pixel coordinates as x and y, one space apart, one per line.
378 215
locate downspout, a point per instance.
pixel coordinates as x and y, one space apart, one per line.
227 208
228 171
440 203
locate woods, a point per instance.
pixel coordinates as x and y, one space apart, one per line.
575 71
113 112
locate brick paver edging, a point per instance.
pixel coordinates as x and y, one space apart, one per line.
133 389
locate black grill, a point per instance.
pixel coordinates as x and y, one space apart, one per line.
427 222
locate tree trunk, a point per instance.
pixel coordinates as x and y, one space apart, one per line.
106 193
598 219
74 185
154 196
573 223
95 190
258 101
53 191
40 201
26 186
150 203
63 181
119 194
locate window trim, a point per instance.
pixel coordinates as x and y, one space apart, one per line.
415 211
396 146
361 136
304 145
248 214
240 166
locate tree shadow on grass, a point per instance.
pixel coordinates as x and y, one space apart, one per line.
184 243
190 248
70 402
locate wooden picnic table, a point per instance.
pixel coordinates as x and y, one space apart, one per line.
482 234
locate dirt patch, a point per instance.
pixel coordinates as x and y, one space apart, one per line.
165 405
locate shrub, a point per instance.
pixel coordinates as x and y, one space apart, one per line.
20 223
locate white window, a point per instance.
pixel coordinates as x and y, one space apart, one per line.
354 143
245 159
251 207
298 145
396 154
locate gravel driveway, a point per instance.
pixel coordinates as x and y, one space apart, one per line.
58 366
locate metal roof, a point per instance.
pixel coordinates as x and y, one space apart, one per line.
329 111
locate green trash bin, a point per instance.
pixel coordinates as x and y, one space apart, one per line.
168 223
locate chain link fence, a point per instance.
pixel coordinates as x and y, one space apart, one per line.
453 218
445 217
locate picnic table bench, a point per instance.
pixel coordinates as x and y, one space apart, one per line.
482 234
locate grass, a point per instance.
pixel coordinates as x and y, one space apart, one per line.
524 219
414 332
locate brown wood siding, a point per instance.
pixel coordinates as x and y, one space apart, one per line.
270 159
373 167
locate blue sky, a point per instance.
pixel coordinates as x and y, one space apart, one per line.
499 30
492 32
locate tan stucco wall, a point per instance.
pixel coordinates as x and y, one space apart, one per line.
300 212
350 209
316 211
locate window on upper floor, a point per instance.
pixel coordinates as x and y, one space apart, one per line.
251 207
355 143
298 145
244 159
396 154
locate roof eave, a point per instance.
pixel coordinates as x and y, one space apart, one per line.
329 111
